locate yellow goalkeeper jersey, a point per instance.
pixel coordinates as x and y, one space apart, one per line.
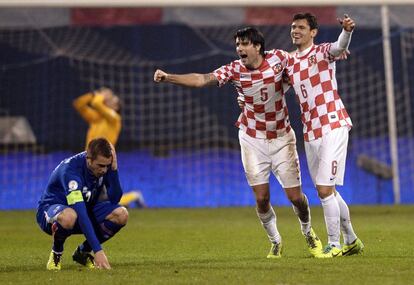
103 121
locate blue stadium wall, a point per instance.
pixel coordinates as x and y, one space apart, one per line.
159 186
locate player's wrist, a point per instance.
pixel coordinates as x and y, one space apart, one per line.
167 77
98 250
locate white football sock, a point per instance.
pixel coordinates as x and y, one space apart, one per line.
302 211
346 226
268 221
331 213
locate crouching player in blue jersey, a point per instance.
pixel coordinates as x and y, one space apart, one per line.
82 197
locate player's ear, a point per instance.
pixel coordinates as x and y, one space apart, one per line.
314 32
88 160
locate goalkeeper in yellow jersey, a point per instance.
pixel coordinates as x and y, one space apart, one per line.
101 110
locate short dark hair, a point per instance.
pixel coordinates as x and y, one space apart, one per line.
310 18
253 35
99 146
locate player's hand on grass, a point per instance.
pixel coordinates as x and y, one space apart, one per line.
101 262
347 23
160 75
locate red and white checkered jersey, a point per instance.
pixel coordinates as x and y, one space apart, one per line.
265 114
312 75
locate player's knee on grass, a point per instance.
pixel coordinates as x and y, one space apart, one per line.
67 218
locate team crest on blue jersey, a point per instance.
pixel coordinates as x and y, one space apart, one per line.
277 68
312 60
73 185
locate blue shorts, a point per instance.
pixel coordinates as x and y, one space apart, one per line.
47 216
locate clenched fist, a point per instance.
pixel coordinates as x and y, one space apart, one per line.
160 75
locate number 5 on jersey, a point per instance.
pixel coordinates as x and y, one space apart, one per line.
264 94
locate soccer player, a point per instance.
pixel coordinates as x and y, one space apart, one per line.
326 124
100 109
72 204
268 143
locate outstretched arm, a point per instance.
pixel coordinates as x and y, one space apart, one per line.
344 38
188 80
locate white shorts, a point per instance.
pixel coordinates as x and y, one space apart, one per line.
260 156
326 157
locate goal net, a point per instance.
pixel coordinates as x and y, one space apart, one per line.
179 146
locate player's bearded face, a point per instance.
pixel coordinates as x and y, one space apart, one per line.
99 166
301 34
248 52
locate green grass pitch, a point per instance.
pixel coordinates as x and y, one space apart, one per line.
215 246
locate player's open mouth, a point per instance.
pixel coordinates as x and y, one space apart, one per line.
243 56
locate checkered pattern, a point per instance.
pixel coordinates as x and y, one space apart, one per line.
265 114
313 78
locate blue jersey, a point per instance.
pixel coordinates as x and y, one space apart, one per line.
73 184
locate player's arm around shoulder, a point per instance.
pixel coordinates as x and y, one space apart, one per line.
188 80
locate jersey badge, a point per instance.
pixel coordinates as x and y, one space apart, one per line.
277 68
73 185
312 60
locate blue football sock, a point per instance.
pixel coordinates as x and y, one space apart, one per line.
59 236
108 230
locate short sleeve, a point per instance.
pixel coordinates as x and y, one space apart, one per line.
224 74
